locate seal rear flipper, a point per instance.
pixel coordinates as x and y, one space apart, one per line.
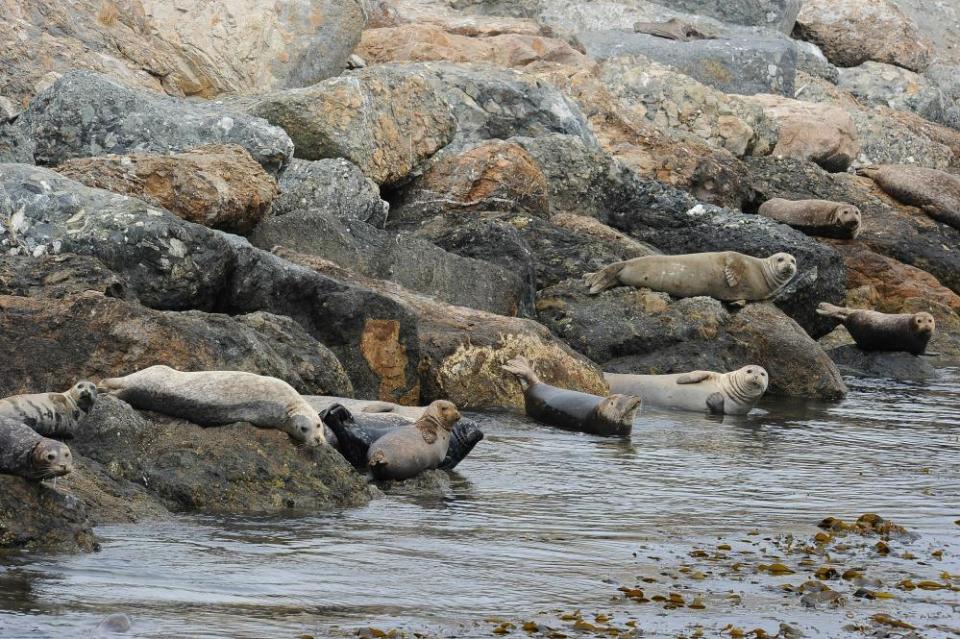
520 367
715 404
462 441
378 465
836 312
607 277
694 377
378 407
350 442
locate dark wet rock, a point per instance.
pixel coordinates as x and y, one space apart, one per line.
16 145
37 517
230 469
335 186
880 84
636 331
56 276
48 342
901 366
747 64
435 484
87 114
388 120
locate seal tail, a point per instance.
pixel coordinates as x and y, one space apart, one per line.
520 367
829 310
605 278
351 444
462 440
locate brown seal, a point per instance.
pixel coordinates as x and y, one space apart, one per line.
52 414
672 29
727 276
936 193
815 217
875 331
26 454
218 398
409 450
573 410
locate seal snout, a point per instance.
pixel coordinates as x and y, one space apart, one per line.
758 377
785 264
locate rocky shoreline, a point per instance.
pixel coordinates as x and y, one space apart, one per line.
389 199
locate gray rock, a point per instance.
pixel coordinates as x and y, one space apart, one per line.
36 517
776 14
900 366
886 141
897 88
336 187
946 77
8 111
16 145
636 331
744 64
87 114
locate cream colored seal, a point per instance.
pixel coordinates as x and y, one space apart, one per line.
733 393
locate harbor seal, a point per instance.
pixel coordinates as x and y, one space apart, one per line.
218 398
936 193
573 410
25 453
733 393
672 29
822 218
876 331
727 276
353 432
52 414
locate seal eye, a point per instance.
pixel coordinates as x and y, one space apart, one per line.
780 260
304 429
51 457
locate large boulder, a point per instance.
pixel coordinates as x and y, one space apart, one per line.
334 186
38 518
182 48
87 114
745 64
388 120
881 364
219 186
887 85
637 331
15 144
851 32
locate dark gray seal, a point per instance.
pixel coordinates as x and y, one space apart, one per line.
52 414
876 331
27 454
573 410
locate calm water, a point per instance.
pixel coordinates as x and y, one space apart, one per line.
539 521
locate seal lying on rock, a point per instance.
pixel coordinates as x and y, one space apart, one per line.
672 29
354 433
27 454
876 331
732 393
402 452
218 398
727 276
815 217
52 414
573 410
936 193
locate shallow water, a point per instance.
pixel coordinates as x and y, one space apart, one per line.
538 521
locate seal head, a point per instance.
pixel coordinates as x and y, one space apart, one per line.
441 415
848 218
51 458
84 395
619 409
923 323
305 428
746 384
783 267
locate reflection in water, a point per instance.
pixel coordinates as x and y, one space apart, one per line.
534 519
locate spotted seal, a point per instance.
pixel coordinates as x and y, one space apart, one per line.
218 398
56 415
27 454
733 393
876 331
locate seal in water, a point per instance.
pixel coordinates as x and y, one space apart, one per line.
732 393
573 410
876 331
52 414
815 217
936 193
218 398
727 276
25 453
354 433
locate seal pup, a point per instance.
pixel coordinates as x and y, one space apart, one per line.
52 414
815 217
936 193
354 432
573 410
733 393
876 331
27 454
218 398
727 276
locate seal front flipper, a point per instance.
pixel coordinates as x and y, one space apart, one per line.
715 404
694 377
462 440
351 442
732 271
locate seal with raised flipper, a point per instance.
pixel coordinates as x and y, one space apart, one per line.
27 454
822 218
354 431
876 331
733 393
56 415
218 398
573 410
936 193
727 276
